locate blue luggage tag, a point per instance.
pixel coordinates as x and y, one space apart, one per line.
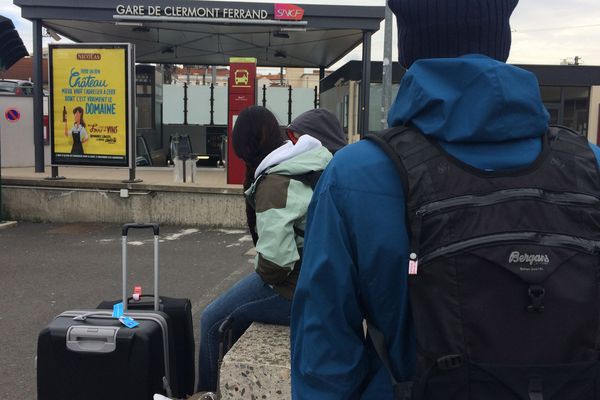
117 310
128 322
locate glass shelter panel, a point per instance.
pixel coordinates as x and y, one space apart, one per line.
277 103
173 104
199 105
576 108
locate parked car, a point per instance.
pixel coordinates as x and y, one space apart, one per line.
16 87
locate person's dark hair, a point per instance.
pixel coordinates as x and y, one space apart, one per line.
256 134
80 111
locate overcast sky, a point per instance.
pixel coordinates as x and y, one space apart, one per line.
544 32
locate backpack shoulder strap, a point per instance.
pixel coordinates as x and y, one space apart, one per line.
402 390
566 139
309 179
407 147
382 138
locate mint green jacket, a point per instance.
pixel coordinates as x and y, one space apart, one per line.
281 203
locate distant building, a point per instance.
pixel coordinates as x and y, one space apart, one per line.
199 75
23 70
271 80
299 78
571 94
294 77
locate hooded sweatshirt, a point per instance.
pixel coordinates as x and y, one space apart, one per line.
322 125
281 203
487 114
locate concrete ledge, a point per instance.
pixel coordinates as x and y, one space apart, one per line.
101 201
115 185
258 365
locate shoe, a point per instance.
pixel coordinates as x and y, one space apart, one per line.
203 396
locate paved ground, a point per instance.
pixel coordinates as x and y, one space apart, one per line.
49 268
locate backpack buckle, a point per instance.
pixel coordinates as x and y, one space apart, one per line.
536 293
451 361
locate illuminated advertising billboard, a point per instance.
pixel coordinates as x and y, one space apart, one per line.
90 107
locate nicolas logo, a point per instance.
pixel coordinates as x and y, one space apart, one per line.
89 56
531 259
288 12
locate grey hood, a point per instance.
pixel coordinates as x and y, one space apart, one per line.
322 125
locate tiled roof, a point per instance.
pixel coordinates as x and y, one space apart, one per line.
23 69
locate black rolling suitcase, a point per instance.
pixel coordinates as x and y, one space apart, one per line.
88 354
180 315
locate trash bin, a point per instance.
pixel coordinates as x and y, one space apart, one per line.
184 170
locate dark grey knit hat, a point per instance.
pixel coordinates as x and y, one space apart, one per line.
323 125
452 28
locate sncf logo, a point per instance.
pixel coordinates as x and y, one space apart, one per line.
288 12
531 259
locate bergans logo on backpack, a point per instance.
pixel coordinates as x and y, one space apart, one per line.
531 259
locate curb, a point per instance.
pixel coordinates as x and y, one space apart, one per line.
7 224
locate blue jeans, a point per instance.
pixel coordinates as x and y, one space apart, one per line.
249 300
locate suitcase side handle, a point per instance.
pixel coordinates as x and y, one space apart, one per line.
127 227
87 339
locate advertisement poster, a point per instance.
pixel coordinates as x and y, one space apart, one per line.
90 107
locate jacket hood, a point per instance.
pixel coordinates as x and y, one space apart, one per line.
308 154
470 99
322 125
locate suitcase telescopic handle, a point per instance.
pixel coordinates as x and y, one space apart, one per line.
126 228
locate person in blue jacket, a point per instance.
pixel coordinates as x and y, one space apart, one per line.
457 90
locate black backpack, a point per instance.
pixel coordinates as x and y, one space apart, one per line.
504 272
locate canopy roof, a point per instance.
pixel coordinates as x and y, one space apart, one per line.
210 32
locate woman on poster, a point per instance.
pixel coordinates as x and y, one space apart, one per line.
77 132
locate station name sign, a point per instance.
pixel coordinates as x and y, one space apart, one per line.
196 12
280 12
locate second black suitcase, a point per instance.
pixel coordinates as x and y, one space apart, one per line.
180 314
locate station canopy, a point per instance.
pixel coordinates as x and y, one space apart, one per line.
211 32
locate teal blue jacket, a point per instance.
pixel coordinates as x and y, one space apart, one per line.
484 112
281 204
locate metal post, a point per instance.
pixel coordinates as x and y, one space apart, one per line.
321 77
54 175
365 86
316 97
213 74
1 218
264 100
133 126
290 105
386 79
185 103
38 105
212 103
